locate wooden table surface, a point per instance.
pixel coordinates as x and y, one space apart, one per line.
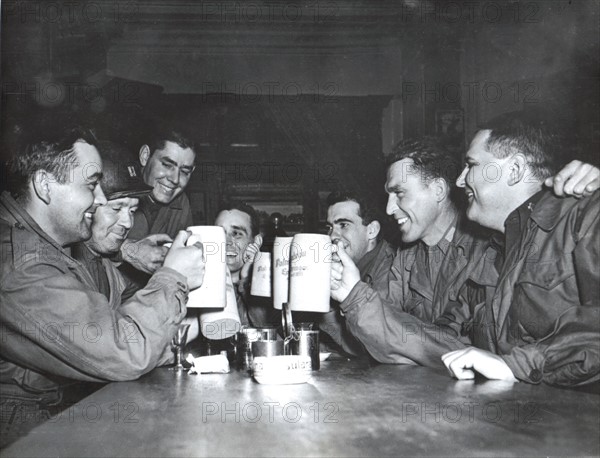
348 409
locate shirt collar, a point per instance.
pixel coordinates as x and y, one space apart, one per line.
25 219
516 222
446 240
369 255
549 208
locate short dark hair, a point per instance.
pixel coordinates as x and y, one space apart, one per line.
430 158
536 137
367 210
229 205
52 151
160 136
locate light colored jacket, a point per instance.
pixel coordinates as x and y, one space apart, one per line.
55 325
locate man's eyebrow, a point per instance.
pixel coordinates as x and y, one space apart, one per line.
341 220
395 188
240 228
96 176
168 160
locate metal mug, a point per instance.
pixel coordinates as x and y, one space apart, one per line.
267 348
306 343
267 333
306 326
246 337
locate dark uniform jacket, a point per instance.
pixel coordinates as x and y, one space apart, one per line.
152 218
544 318
399 328
374 268
169 219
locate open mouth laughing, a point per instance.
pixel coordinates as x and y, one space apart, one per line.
401 221
469 193
166 189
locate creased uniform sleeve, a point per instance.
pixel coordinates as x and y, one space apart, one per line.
570 354
391 335
52 323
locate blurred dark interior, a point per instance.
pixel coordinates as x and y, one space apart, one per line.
289 101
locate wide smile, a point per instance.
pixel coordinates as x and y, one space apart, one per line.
166 189
401 221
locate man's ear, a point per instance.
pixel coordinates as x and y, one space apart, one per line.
41 185
440 189
144 155
373 229
517 169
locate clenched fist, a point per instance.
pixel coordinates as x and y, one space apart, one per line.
187 260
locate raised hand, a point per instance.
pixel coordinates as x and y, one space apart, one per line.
577 179
344 273
188 261
250 254
146 254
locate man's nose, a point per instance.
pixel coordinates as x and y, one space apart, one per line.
335 234
460 181
99 197
173 175
391 206
126 219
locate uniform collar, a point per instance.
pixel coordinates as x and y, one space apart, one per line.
371 255
25 221
549 209
176 204
448 236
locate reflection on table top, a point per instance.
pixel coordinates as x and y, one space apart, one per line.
349 409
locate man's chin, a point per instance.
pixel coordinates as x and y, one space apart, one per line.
408 237
85 233
164 199
234 266
472 213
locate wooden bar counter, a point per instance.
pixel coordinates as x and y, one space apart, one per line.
348 409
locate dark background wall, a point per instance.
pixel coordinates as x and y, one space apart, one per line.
290 100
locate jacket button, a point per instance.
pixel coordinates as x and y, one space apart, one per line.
535 375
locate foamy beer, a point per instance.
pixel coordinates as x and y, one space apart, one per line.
213 292
261 275
281 270
225 323
310 270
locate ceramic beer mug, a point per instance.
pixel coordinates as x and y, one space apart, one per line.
281 270
221 324
310 270
212 293
261 275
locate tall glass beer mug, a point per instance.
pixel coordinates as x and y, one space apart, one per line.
310 271
281 270
213 292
